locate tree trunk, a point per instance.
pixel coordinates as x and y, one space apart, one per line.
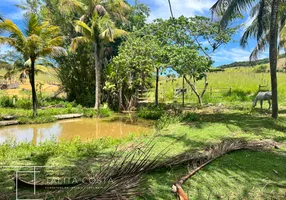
200 98
183 97
157 87
97 67
273 56
120 98
32 82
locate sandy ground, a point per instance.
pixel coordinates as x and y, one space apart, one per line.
25 90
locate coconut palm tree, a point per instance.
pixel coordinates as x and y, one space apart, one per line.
39 39
229 9
97 26
101 31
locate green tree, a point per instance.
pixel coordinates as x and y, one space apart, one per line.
230 9
138 57
39 39
190 35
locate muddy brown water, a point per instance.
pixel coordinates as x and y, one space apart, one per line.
84 128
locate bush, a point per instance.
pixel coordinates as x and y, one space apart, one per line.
238 95
24 103
6 101
151 112
89 112
104 111
261 69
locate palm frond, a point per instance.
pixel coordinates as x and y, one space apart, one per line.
9 41
9 26
41 68
250 31
77 41
54 51
107 35
1 17
283 38
83 28
57 41
118 9
32 23
230 8
67 6
119 33
104 23
260 47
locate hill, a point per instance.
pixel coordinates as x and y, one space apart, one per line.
281 63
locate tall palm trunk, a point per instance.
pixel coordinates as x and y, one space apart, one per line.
97 67
32 82
273 56
157 87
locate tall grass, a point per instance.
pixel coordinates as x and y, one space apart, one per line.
242 81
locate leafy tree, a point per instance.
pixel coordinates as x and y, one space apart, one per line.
190 66
231 8
39 39
185 36
131 70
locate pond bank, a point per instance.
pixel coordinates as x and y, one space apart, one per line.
58 117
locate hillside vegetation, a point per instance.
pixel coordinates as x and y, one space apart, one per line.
281 63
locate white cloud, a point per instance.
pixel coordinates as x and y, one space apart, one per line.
187 8
235 55
231 55
15 15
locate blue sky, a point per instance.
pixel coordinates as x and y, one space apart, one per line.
159 9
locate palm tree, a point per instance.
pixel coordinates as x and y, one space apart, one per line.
98 27
263 15
39 39
230 9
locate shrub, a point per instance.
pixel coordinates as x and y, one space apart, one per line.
89 112
238 95
23 103
104 111
6 101
151 112
261 69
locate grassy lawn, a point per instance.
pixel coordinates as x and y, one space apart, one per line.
239 175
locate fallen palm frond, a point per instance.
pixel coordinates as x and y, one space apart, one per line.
121 177
199 160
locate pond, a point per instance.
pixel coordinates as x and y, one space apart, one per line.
84 128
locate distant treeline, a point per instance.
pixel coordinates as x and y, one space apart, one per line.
248 63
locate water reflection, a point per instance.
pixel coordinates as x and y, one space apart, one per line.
68 129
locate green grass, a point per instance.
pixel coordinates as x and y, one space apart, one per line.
25 116
245 80
239 175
